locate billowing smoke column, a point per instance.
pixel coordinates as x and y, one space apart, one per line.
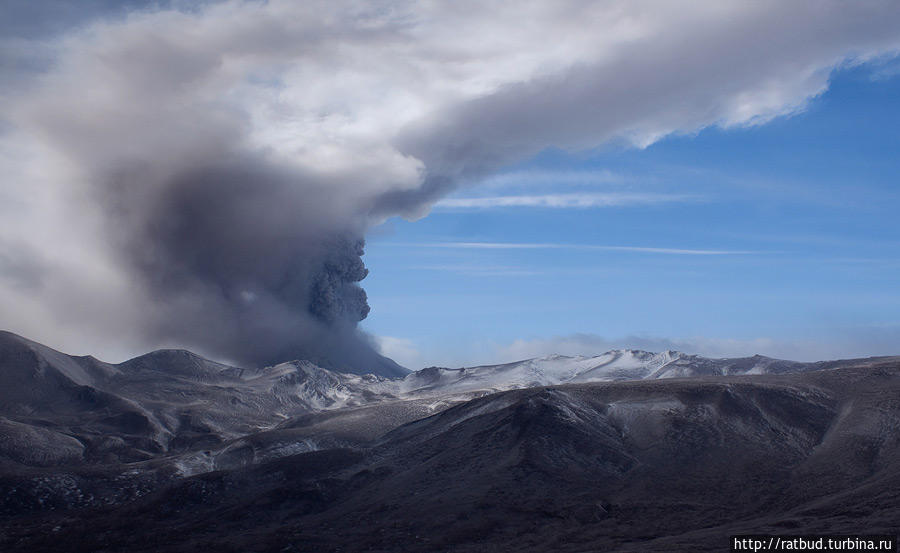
241 256
205 178
251 263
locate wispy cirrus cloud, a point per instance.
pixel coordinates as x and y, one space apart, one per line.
564 201
481 270
554 179
559 246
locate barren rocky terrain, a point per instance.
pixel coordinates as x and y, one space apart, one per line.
171 452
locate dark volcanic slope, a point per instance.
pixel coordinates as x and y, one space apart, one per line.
179 413
61 410
671 465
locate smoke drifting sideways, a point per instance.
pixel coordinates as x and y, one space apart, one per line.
205 177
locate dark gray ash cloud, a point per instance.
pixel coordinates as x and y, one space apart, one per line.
203 175
254 248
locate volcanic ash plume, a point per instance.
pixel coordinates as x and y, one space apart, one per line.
252 263
205 178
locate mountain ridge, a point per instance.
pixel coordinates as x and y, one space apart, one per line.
176 404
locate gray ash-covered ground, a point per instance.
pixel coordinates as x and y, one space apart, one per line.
652 465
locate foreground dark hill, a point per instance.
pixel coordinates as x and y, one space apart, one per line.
662 465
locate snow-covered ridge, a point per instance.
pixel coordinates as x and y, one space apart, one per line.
164 384
327 389
58 409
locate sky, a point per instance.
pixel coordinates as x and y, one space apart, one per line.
779 239
528 178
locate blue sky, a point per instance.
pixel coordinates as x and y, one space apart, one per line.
780 238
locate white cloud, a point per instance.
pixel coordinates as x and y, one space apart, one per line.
553 179
481 270
593 247
563 201
401 350
860 343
